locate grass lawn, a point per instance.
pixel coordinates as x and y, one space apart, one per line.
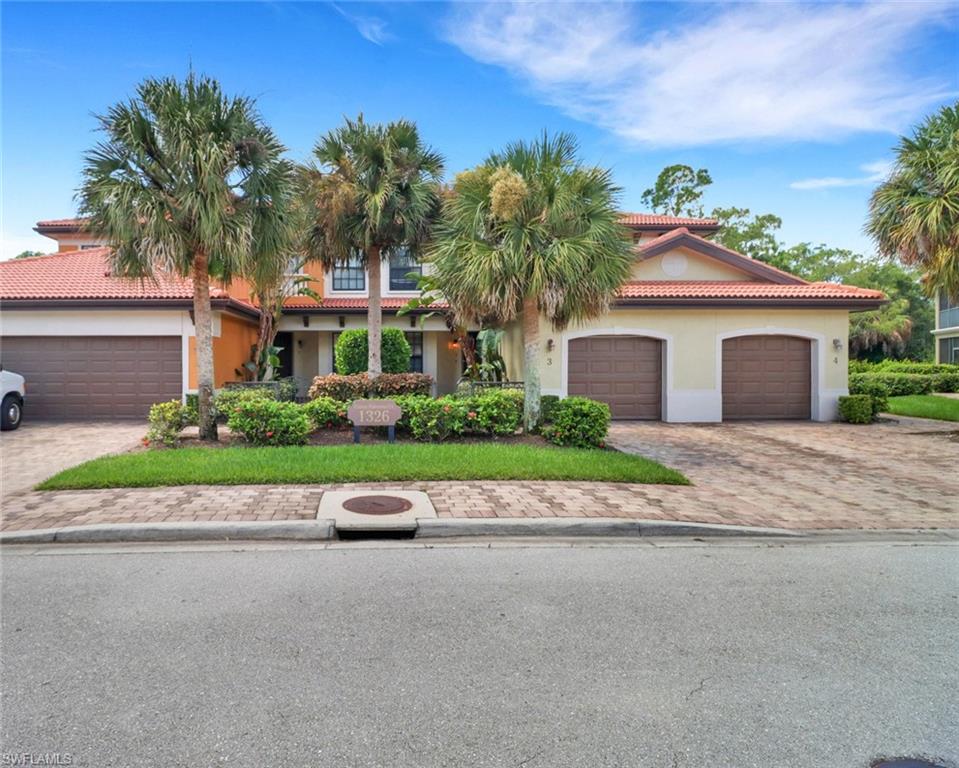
359 463
925 406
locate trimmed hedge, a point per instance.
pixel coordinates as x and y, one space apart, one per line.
896 383
942 377
359 386
226 400
352 351
270 422
494 413
874 388
856 409
579 422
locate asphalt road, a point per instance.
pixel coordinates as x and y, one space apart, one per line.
534 657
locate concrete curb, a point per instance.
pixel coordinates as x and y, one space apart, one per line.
580 526
297 530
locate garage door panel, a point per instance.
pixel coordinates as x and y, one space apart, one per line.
766 377
95 377
624 372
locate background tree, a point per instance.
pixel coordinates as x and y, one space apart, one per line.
373 193
532 233
28 254
191 182
914 214
754 237
678 191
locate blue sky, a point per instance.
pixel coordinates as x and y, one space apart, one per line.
794 109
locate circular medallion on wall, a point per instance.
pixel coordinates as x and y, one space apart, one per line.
674 264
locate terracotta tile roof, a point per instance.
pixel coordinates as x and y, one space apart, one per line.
85 275
718 289
653 220
68 224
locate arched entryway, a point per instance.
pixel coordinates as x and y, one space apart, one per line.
626 372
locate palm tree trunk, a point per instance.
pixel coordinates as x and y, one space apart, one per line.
530 364
203 322
374 320
264 340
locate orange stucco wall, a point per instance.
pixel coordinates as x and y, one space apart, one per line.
231 349
240 289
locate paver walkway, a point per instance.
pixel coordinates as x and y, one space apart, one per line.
793 475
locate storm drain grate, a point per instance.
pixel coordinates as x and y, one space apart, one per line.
905 762
377 505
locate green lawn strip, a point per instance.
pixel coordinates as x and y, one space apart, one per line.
359 463
925 407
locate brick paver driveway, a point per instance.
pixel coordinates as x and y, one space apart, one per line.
40 449
785 474
893 474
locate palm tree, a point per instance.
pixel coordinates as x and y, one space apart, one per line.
375 193
532 233
191 182
914 214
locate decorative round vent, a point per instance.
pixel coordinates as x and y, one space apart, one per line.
377 505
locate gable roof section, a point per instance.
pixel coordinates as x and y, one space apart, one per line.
683 238
60 225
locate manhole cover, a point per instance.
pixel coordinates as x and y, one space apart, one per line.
905 762
377 505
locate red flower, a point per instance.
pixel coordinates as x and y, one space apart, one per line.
269 434
446 409
471 415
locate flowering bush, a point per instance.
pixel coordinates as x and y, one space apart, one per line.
326 413
579 422
269 422
497 412
360 385
226 400
426 418
166 422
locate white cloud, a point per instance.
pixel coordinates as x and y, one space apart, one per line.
874 173
372 28
750 71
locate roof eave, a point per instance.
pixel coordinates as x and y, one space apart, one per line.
786 303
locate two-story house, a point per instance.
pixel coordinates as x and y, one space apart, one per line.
698 333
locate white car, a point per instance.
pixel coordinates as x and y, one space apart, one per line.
14 389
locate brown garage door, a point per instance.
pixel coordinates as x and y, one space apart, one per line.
624 371
94 377
766 377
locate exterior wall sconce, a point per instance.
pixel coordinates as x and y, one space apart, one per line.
342 319
306 321
299 343
453 346
837 344
550 345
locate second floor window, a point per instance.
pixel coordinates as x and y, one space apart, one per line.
350 276
401 264
948 311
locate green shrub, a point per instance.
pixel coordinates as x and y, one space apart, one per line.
326 413
359 386
495 412
287 389
875 388
432 419
269 422
191 411
856 409
352 351
860 366
897 384
579 422
166 422
547 406
226 400
945 381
